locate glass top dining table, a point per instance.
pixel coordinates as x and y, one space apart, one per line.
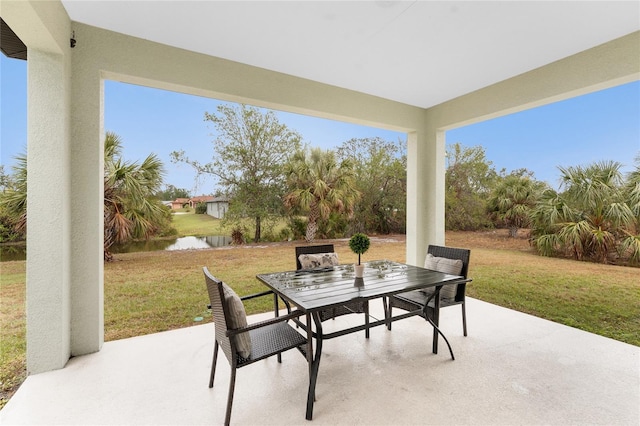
314 290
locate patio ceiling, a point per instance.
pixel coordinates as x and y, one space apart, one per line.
418 53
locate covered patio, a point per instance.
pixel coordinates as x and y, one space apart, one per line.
416 67
512 368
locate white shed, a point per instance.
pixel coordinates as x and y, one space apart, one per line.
218 207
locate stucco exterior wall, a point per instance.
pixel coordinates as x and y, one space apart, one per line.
87 185
48 266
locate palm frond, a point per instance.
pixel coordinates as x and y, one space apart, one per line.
630 249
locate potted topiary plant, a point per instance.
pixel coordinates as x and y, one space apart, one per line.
359 243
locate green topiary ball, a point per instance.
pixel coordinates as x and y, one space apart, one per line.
359 243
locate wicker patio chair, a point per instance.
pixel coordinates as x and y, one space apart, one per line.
245 344
350 308
449 295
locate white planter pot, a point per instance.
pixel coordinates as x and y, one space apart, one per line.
359 270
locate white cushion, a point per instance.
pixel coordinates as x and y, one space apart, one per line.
318 260
237 319
447 266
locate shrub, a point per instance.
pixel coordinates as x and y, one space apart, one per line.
8 231
285 234
335 226
237 235
298 227
201 208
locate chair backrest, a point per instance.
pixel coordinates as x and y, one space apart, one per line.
220 312
454 253
324 248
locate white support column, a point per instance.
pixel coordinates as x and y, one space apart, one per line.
415 190
87 204
44 28
64 199
48 266
436 235
425 193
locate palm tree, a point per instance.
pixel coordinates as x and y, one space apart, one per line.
14 196
130 210
630 246
512 200
319 186
587 219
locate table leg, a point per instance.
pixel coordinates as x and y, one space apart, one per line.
309 357
385 305
276 310
314 365
436 318
366 319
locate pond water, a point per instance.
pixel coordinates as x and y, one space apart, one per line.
18 252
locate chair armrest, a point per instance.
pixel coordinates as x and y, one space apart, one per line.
265 293
294 314
253 296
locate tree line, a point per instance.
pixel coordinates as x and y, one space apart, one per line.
263 167
595 215
270 175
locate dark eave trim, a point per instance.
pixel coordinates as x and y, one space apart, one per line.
10 43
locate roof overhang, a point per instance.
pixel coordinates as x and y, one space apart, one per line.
10 43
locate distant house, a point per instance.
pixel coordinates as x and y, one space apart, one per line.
218 207
194 201
179 203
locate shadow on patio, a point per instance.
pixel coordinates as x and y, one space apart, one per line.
512 369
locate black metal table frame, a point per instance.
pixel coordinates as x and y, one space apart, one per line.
314 315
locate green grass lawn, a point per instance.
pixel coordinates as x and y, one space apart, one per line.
202 225
602 299
197 225
143 295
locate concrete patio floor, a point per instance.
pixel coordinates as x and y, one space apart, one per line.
512 369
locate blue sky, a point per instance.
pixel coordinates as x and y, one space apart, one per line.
599 126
